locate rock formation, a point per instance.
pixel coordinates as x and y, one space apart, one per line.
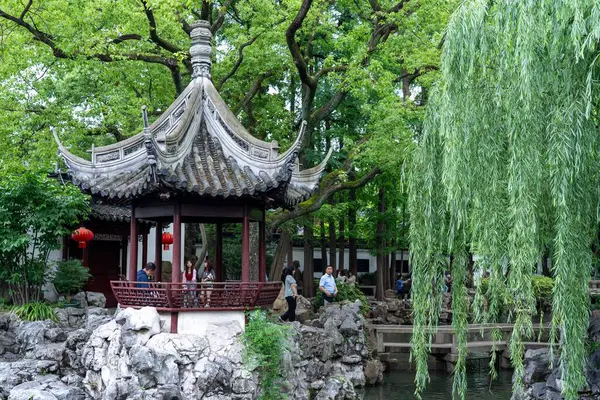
88 354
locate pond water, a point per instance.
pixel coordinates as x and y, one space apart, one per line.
400 385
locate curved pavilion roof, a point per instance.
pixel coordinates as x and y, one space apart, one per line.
197 146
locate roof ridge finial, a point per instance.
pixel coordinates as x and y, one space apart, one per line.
201 49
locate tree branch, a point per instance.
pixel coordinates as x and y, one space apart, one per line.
122 38
295 48
328 107
252 92
154 34
324 71
221 18
27 7
318 199
237 63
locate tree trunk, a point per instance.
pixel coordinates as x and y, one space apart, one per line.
353 248
380 289
279 258
323 248
392 283
191 237
332 244
308 261
290 253
341 245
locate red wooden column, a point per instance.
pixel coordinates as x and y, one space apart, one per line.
218 259
176 267
158 252
144 246
246 245
176 270
133 247
262 249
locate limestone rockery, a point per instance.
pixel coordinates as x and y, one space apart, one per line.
93 355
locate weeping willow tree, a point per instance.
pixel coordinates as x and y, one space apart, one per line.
506 167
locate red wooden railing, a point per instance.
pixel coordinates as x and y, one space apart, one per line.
220 296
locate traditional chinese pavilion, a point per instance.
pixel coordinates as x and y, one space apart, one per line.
196 163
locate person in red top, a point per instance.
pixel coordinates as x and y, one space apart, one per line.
189 281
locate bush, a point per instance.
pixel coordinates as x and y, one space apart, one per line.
346 291
542 287
70 277
264 343
35 311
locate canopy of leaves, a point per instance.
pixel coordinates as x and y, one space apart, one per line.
358 72
507 168
35 212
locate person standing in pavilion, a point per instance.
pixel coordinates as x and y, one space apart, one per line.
144 275
206 282
189 281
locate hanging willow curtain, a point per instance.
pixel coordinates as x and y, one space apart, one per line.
508 165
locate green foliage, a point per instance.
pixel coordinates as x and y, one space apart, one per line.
34 212
70 277
34 311
507 167
542 288
264 344
349 292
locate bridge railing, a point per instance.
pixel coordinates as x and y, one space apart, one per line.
217 296
445 340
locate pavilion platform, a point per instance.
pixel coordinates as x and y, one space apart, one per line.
190 309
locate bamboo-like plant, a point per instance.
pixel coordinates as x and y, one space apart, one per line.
508 165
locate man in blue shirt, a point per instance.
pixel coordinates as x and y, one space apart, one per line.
327 286
145 274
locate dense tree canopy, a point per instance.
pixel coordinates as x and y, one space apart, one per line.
507 168
358 72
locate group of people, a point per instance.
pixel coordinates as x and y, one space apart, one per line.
327 287
189 279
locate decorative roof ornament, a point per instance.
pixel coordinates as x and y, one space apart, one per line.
149 145
201 49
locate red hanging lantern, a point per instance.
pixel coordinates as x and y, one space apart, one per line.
167 239
82 235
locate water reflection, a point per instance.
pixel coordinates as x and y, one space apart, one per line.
400 385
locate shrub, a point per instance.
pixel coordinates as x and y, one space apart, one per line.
70 277
34 212
34 311
346 291
542 287
264 343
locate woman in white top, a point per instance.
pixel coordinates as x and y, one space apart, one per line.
290 293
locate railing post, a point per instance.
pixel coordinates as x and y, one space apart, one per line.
380 346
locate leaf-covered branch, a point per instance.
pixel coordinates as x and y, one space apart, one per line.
331 184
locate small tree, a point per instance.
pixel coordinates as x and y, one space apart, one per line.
35 212
70 277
